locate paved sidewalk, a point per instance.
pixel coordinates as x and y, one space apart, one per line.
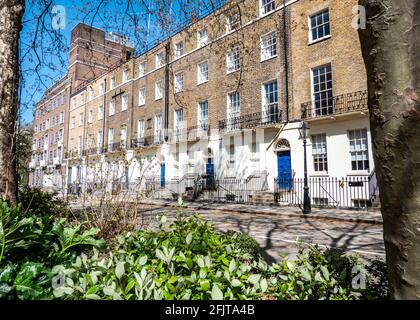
359 216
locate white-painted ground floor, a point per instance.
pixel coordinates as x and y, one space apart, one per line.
336 149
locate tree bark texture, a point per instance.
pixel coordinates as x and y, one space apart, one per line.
391 50
11 12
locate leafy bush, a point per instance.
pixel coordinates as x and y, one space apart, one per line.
190 260
31 244
246 243
46 258
34 201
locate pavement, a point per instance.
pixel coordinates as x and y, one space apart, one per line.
283 235
362 216
280 231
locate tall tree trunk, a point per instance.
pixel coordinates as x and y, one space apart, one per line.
391 50
11 12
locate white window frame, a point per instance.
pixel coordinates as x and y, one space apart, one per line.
110 135
323 24
159 60
90 116
159 93
201 42
200 79
232 25
91 93
142 96
80 119
99 142
232 115
140 128
179 82
270 109
73 122
112 107
126 75
233 60
178 121
319 153
203 122
100 112
102 88
272 34
82 99
113 82
359 151
268 4
329 108
158 129
142 68
179 51
123 135
124 102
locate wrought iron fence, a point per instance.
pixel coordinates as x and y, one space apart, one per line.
347 192
345 103
270 115
208 188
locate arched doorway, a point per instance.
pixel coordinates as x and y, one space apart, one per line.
284 165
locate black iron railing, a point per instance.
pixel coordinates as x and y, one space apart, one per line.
201 130
342 104
270 115
150 140
346 192
92 151
116 146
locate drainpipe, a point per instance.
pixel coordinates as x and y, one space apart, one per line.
286 58
131 136
167 54
104 118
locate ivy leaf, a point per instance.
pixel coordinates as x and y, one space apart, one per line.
119 270
305 273
204 285
325 273
216 293
235 283
232 265
188 239
254 278
263 285
92 296
143 260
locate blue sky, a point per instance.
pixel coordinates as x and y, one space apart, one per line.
142 24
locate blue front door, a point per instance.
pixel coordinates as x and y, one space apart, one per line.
209 173
284 169
162 175
126 178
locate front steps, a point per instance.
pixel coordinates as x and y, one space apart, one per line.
263 197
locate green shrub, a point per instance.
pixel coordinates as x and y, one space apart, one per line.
31 244
190 260
186 259
36 202
246 244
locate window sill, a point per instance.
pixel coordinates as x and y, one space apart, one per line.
262 15
320 175
358 173
233 71
199 84
157 99
319 40
268 59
